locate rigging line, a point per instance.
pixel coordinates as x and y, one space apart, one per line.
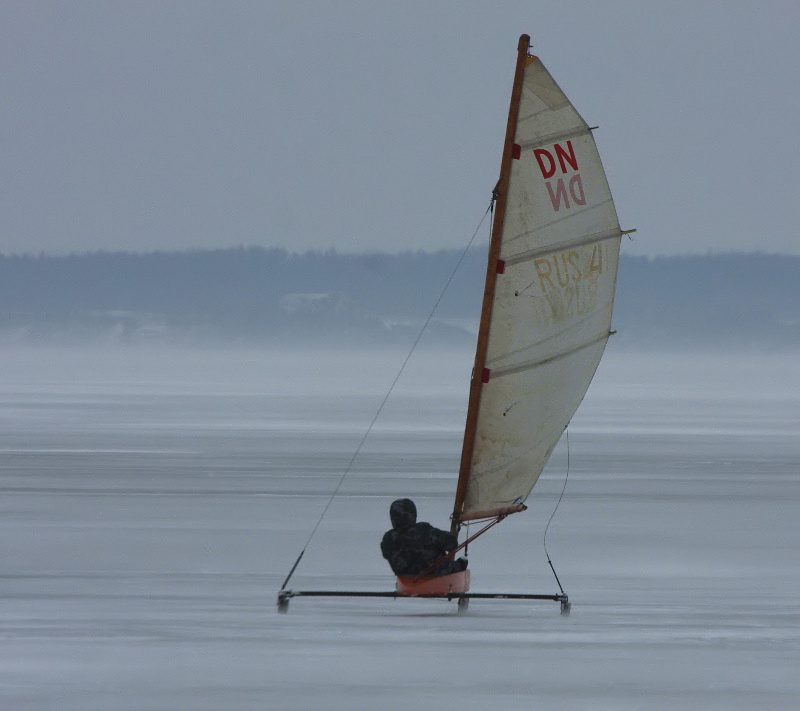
390 390
547 527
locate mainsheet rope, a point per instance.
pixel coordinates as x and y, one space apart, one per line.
378 412
547 527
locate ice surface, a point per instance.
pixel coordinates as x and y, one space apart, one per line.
153 502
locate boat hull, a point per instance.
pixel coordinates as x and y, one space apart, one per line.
453 584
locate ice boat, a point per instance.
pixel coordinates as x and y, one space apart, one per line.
546 315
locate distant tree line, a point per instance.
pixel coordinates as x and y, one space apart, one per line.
267 294
732 300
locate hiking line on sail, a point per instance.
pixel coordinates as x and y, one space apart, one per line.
548 296
489 210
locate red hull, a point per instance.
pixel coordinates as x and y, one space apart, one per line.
440 585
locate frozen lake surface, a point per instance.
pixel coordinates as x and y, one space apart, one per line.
152 502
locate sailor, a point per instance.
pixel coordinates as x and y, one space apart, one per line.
412 548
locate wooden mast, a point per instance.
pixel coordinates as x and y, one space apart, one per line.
501 194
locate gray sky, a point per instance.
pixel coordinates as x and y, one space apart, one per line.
378 125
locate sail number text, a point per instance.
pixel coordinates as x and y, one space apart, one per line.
565 268
568 281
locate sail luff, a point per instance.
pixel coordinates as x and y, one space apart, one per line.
501 199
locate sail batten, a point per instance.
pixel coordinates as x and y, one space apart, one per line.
546 315
550 249
531 364
555 137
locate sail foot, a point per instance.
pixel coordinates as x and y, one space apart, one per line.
497 512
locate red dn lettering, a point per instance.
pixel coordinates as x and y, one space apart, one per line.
562 190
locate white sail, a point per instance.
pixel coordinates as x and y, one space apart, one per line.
553 295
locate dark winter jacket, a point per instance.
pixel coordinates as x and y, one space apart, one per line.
412 547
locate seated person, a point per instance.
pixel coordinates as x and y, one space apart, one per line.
411 548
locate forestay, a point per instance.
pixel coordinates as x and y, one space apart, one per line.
549 299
